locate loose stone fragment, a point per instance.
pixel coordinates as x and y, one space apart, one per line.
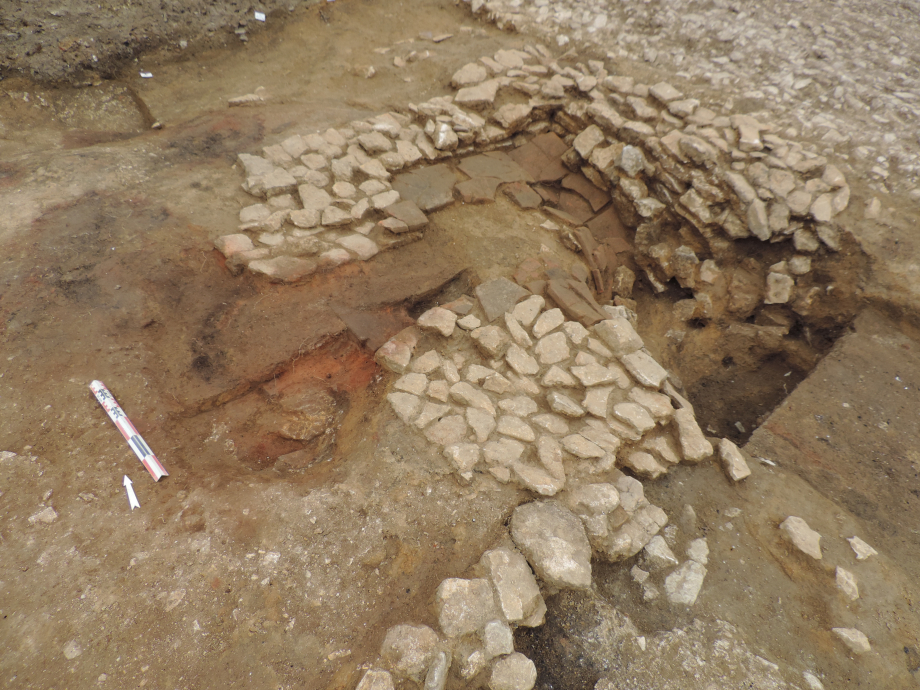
409 649
504 452
513 672
564 405
464 606
698 550
482 422
439 320
468 395
779 288
684 584
556 376
802 536
492 340
412 383
376 679
471 73
463 456
596 400
520 361
515 428
554 542
846 582
525 312
854 639
733 461
548 321
497 639
861 548
644 464
552 423
581 447
469 322
436 679
499 296
619 335
446 431
659 554
693 444
635 415
552 348
644 369
515 585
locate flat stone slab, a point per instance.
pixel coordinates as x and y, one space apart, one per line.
498 296
430 188
523 195
581 185
409 213
494 164
479 190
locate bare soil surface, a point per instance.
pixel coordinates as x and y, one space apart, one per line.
273 556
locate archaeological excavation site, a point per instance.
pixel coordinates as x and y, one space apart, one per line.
510 345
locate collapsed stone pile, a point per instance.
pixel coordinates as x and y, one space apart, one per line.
514 391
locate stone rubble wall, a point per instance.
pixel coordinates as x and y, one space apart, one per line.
690 181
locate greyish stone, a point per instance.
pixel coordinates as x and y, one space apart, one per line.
498 296
619 335
513 672
412 383
437 673
548 321
593 374
469 323
779 288
492 340
375 679
515 585
497 639
632 537
564 405
803 537
471 73
698 550
504 452
482 422
549 452
470 658
525 312
313 198
552 348
733 461
822 209
518 334
588 140
684 584
405 405
575 331
409 649
439 320
631 160
473 397
554 542
464 606
758 221
333 216
515 428
693 444
854 639
644 369
520 361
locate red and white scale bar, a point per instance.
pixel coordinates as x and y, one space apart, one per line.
138 445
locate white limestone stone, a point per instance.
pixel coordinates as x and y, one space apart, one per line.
854 639
635 415
515 585
861 548
805 539
463 456
513 672
376 679
548 321
412 383
684 584
439 390
405 405
659 554
733 461
447 430
657 404
426 363
515 427
575 331
593 374
430 412
464 606
438 320
644 464
464 393
644 369
846 583
526 311
519 360
698 550
409 649
554 542
521 406
597 400
482 422
556 376
619 335
469 322
552 349
693 444
518 334
504 452
554 424
564 405
581 447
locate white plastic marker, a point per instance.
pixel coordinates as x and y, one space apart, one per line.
132 497
138 445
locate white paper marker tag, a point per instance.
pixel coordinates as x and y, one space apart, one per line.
132 497
134 439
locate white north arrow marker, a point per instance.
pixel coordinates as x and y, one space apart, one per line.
132 497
